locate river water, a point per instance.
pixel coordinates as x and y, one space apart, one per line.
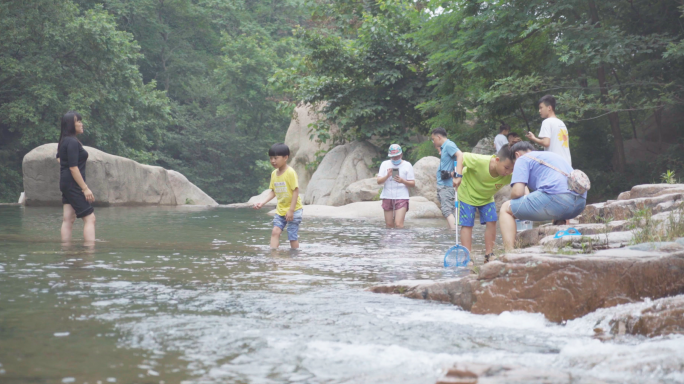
194 295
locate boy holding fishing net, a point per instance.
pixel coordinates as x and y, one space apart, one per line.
483 176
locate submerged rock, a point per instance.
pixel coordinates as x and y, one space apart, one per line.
662 317
477 373
114 180
561 287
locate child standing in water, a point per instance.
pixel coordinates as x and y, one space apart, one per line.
284 186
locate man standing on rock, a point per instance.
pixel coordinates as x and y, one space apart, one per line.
553 135
447 173
551 199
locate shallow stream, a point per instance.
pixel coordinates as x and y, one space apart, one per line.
194 295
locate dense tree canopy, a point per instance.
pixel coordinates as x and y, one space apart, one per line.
54 59
610 65
206 86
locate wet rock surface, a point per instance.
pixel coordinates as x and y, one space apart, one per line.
562 287
476 373
661 317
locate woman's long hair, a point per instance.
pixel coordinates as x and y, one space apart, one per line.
68 126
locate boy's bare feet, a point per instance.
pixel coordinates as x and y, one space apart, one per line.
488 257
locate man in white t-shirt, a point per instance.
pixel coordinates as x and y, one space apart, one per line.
553 135
396 175
501 139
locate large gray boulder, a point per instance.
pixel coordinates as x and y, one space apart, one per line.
425 171
485 147
302 148
342 166
114 180
362 190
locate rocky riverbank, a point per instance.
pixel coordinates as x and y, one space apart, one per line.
615 261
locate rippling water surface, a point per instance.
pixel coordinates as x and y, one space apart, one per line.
194 295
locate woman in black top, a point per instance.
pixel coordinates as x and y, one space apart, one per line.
76 196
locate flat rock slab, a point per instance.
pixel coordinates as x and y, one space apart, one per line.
562 287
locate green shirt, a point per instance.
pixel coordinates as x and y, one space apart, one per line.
478 186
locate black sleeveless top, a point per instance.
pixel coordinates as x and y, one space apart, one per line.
71 154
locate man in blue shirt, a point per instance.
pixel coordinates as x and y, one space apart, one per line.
551 199
447 179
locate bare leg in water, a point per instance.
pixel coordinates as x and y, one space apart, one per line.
68 219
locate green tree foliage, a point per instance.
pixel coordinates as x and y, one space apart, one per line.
53 59
363 69
478 63
214 58
606 61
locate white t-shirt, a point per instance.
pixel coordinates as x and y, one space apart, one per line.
392 189
499 141
555 129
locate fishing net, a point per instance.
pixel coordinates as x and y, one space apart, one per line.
457 256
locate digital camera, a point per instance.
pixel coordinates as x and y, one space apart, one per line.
445 175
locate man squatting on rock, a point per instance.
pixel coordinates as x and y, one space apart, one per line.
550 200
483 177
285 186
446 178
395 193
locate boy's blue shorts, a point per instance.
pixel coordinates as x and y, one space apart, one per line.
292 226
466 215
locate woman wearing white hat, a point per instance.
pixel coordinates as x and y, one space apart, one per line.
396 175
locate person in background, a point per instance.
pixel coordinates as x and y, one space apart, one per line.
446 175
500 140
513 138
284 186
76 196
483 177
553 135
395 193
550 200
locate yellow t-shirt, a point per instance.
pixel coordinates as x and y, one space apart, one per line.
478 186
284 186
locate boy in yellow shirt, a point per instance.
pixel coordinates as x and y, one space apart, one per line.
482 176
285 186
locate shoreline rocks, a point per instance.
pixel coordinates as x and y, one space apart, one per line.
342 166
419 208
562 287
114 180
